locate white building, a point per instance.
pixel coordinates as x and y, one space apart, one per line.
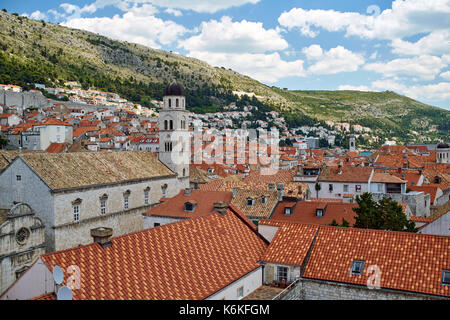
174 140
55 130
73 193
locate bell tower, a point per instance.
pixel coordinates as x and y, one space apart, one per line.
174 139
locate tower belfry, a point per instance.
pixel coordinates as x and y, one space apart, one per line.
174 140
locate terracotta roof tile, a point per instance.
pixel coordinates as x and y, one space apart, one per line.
82 169
187 260
407 261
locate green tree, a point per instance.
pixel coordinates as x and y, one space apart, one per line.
387 214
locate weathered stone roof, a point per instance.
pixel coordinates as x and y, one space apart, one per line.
84 169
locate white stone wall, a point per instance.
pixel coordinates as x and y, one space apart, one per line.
50 134
268 232
338 189
149 221
30 190
308 289
249 282
271 270
440 226
69 233
56 209
16 257
36 281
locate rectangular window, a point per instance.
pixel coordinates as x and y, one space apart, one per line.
330 187
76 213
446 277
125 202
345 187
282 274
358 188
380 187
19 178
147 198
156 225
240 292
357 267
103 207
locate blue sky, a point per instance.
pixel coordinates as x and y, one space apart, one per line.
370 45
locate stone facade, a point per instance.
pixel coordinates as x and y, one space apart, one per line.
21 243
418 202
174 139
309 289
56 209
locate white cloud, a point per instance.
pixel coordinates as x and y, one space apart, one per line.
406 18
335 60
205 6
445 75
133 26
227 36
313 52
424 67
354 88
176 13
437 42
37 15
263 67
243 46
437 91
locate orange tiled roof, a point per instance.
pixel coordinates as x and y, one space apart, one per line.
291 244
346 174
407 261
174 207
56 147
305 212
187 260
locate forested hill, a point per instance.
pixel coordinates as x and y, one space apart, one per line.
39 52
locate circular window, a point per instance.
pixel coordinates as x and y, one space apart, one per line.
22 235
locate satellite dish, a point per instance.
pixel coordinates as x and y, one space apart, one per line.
58 275
64 293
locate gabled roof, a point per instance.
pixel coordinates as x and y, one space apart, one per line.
258 210
83 169
407 261
291 243
187 260
305 212
174 207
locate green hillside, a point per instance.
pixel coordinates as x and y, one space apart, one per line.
38 52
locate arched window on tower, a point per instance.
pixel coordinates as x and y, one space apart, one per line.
170 103
171 124
166 125
177 103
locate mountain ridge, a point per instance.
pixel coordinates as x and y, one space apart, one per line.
40 52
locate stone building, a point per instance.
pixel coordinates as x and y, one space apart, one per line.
73 193
443 153
334 263
212 257
21 242
174 139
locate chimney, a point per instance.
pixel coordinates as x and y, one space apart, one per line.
220 207
187 192
403 176
280 192
235 192
102 236
271 186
